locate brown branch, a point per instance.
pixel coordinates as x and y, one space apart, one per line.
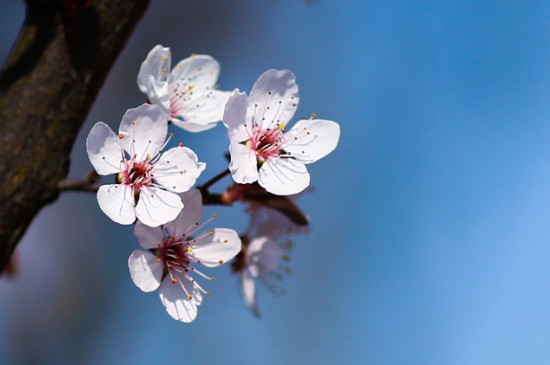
47 87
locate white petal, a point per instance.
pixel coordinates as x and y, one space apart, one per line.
104 149
283 176
175 299
144 131
203 111
148 237
243 165
157 206
145 270
273 99
190 216
117 201
234 117
216 248
178 169
267 258
248 290
198 71
157 65
158 94
311 140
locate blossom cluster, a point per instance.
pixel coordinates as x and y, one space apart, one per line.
155 186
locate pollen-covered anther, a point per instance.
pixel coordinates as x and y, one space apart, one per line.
120 136
214 216
174 281
225 241
189 249
210 233
212 279
313 115
190 296
158 260
171 134
221 261
180 144
207 292
134 122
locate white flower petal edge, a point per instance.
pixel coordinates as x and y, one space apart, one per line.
248 291
155 67
104 150
190 218
243 165
178 169
321 140
187 94
143 131
145 271
180 308
283 176
216 248
175 252
117 202
274 98
258 139
156 206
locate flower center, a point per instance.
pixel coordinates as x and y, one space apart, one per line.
173 254
136 174
266 143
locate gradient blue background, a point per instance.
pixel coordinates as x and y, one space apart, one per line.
431 221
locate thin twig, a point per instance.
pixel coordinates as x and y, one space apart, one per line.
88 183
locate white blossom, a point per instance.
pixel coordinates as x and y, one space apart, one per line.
261 148
147 178
172 249
187 93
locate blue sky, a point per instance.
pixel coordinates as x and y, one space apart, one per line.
430 222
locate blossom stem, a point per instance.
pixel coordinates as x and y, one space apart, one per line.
87 183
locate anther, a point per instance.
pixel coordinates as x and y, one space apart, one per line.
207 293
214 216
158 260
133 123
174 281
171 134
221 261
212 279
120 136
211 233
313 115
190 249
180 144
190 296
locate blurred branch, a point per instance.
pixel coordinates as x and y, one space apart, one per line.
47 86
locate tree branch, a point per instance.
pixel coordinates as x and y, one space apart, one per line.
47 87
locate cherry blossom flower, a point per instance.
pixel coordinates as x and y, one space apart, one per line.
262 253
172 251
147 179
261 149
186 94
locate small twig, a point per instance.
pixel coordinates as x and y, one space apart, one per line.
88 183
204 188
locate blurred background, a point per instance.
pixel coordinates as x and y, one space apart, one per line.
430 234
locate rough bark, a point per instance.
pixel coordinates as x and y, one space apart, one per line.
47 87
